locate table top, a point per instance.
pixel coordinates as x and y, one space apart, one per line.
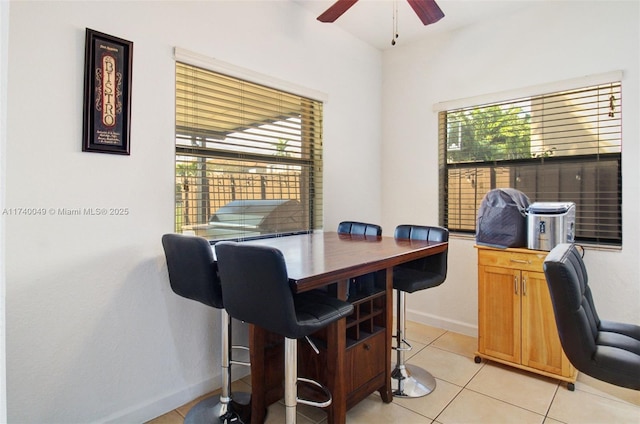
321 258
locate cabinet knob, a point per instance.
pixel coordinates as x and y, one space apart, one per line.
367 346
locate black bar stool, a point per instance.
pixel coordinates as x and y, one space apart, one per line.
359 228
193 274
409 380
363 283
255 286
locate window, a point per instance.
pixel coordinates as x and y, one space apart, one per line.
248 158
562 146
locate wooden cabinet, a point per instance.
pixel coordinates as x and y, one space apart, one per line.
365 349
516 324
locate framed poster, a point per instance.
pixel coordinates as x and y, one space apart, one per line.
107 94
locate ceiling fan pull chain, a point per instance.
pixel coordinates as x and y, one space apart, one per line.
395 23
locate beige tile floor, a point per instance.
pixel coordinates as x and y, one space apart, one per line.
467 392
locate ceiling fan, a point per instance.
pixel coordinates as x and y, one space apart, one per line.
427 10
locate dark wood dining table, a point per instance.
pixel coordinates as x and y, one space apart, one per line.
317 260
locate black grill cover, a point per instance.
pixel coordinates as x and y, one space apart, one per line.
502 219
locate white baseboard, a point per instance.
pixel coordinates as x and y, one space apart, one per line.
155 408
144 412
444 323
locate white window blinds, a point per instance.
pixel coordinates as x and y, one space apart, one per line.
248 157
560 146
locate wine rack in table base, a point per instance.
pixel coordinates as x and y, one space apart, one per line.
365 350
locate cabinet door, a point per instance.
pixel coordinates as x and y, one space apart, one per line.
365 361
541 347
499 313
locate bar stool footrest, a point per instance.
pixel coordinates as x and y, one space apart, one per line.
318 404
238 362
402 349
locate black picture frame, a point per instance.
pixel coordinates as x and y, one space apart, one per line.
107 94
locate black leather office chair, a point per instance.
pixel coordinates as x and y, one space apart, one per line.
193 274
409 380
359 228
605 350
255 286
365 283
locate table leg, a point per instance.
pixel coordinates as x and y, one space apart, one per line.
385 391
336 346
257 343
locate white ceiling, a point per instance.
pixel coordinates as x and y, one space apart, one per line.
372 20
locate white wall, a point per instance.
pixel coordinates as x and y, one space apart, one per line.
4 53
94 333
548 42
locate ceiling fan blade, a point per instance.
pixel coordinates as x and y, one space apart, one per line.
427 10
336 10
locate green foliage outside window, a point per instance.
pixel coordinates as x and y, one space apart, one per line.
492 133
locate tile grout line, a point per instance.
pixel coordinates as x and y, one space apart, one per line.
461 390
485 362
